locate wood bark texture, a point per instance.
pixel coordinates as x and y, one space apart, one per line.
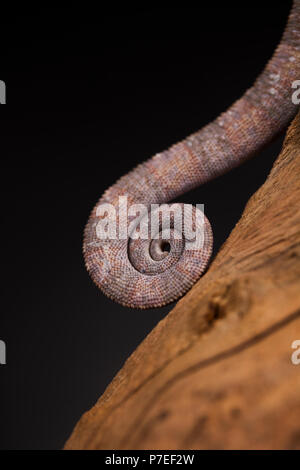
216 373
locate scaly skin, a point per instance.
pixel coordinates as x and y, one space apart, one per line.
138 273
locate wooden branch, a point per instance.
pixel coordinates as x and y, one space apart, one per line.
216 373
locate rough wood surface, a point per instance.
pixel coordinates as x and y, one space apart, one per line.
216 373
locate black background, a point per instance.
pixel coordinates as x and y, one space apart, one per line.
89 95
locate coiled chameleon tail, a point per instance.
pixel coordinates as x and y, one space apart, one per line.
143 273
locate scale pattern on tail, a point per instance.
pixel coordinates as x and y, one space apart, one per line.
139 273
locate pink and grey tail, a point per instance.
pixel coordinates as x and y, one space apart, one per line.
140 273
